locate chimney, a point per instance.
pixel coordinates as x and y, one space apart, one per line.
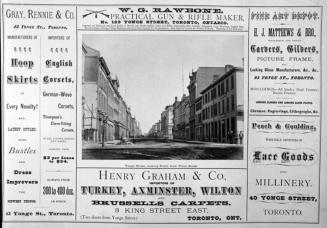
116 82
228 67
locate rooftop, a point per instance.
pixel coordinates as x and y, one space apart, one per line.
231 70
90 51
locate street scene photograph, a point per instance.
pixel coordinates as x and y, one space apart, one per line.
162 97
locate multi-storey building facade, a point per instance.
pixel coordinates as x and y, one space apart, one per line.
155 130
129 122
138 131
134 126
175 110
192 91
167 122
105 113
180 121
222 107
158 133
96 97
199 80
121 124
214 114
198 119
187 119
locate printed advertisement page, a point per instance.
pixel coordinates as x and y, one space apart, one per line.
133 114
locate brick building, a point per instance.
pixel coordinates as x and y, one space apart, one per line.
199 80
180 118
222 111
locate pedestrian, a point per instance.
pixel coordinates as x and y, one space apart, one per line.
240 135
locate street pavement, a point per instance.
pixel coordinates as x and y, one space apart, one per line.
160 150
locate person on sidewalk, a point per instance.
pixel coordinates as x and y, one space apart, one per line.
240 135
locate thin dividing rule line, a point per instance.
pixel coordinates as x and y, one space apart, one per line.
40 146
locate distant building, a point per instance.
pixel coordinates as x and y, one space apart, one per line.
222 111
180 130
121 123
199 80
167 122
129 121
138 130
134 126
175 105
158 133
187 119
155 130
198 119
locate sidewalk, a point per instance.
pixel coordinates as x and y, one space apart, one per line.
205 143
187 141
87 145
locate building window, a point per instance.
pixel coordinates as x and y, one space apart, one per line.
223 106
233 102
219 92
213 93
216 89
232 82
214 109
223 129
227 85
222 88
227 103
198 106
233 128
219 131
228 129
219 111
215 135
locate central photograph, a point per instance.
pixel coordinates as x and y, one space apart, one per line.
162 97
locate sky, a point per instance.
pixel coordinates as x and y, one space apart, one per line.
150 67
